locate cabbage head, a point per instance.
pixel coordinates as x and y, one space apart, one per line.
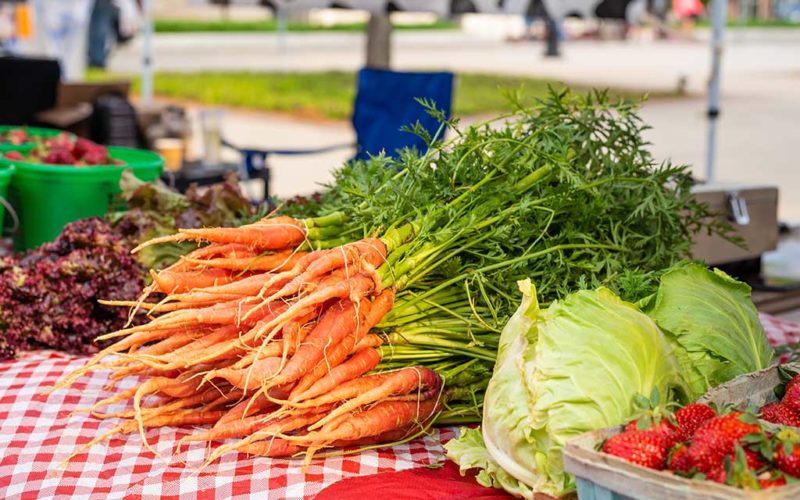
574 367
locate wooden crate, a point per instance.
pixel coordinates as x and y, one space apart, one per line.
605 477
600 476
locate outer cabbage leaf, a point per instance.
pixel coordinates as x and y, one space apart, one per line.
594 353
469 452
712 323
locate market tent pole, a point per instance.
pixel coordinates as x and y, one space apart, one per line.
379 41
147 53
719 9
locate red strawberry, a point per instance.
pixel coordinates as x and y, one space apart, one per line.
82 146
717 474
791 399
788 462
17 137
61 141
645 448
96 157
14 155
772 481
679 459
716 438
692 416
59 156
663 427
779 413
795 381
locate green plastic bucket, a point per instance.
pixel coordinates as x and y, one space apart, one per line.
32 131
6 172
48 197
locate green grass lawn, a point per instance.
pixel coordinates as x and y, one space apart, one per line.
329 95
267 25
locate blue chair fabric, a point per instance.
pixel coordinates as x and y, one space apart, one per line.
384 103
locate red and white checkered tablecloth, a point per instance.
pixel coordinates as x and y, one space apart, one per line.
38 432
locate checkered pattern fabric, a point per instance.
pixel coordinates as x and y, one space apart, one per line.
39 432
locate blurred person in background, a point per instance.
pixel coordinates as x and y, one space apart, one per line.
61 29
687 12
112 22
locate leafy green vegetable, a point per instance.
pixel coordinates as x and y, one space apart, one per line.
712 323
577 366
155 210
586 361
469 451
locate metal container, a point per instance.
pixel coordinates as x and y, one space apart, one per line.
753 212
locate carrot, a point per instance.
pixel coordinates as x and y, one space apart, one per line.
355 287
246 287
381 418
249 378
335 352
211 338
399 382
185 281
368 341
274 448
345 391
360 363
370 250
250 425
270 263
268 234
337 321
215 249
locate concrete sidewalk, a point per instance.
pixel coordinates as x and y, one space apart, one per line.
759 124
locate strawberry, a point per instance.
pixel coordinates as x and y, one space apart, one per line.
779 413
662 426
679 460
795 381
787 458
642 447
771 481
59 156
96 157
690 417
716 438
791 399
717 474
14 155
61 141
82 146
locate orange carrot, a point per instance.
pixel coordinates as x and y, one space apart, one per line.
248 378
381 418
272 262
370 250
185 281
274 448
268 234
250 425
399 382
370 340
355 287
334 352
360 363
337 321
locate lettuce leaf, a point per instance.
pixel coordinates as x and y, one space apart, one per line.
712 323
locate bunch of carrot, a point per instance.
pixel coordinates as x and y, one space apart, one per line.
269 343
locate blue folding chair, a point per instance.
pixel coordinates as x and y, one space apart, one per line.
384 104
